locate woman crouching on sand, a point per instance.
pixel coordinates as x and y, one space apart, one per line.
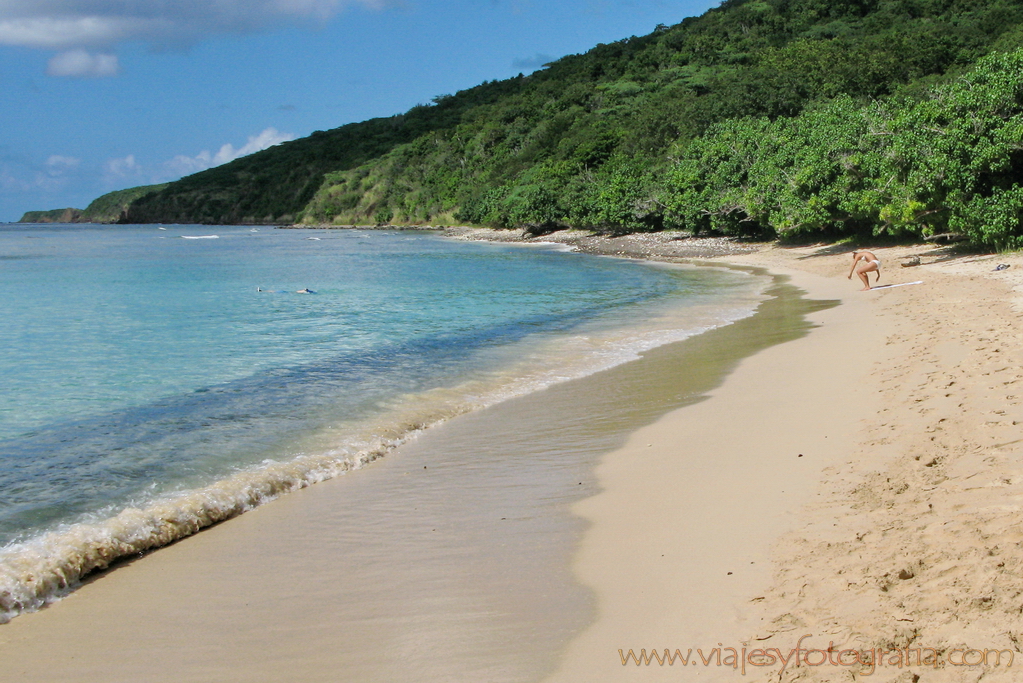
865 262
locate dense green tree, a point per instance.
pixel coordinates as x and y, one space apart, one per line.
759 117
950 161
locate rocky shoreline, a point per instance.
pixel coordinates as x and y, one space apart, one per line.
668 245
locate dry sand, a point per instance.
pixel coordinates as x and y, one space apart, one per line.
860 484
915 540
900 537
681 535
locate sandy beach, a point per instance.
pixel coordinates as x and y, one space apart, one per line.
911 541
857 485
898 542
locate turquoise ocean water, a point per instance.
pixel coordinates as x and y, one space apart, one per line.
156 380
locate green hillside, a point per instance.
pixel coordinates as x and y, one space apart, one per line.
759 117
110 208
113 206
53 216
276 184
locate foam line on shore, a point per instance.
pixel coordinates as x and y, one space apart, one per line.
310 542
45 568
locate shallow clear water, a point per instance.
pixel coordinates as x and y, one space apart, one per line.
154 384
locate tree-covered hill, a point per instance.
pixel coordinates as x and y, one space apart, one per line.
734 121
276 184
113 206
68 215
109 208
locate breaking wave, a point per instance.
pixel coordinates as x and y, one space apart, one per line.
42 569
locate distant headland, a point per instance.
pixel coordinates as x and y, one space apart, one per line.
110 208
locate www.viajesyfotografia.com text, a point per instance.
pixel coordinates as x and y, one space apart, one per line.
863 662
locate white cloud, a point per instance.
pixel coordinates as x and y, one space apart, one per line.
21 176
58 164
81 64
122 166
184 165
70 24
256 143
14 178
57 170
115 171
62 32
127 169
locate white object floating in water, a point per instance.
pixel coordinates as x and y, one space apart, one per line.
161 228
313 238
201 237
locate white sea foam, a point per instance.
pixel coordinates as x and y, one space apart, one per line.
41 570
45 568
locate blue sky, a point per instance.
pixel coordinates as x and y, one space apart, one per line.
106 94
